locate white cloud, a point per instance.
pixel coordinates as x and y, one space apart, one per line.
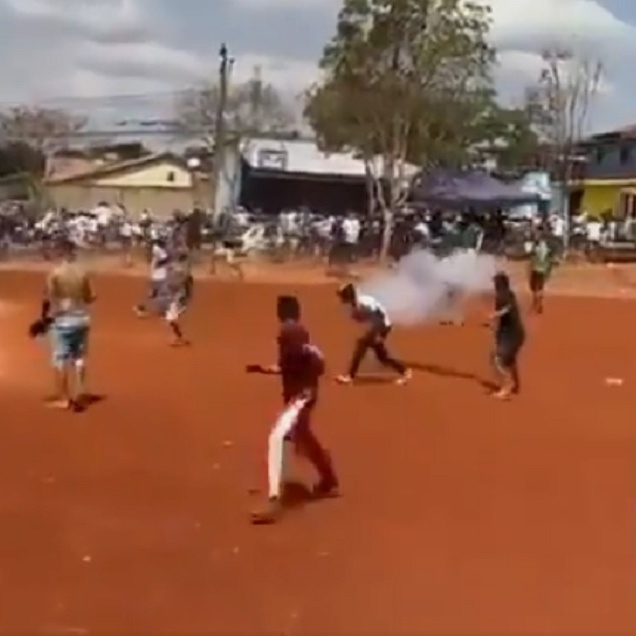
79 48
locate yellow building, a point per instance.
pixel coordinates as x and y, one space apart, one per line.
602 195
160 183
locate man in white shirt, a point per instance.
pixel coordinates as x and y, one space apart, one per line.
346 244
594 233
159 268
351 228
368 311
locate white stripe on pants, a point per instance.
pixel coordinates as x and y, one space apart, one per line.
276 444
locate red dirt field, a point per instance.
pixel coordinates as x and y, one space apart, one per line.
459 515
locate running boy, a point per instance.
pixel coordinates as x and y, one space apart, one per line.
541 264
509 337
368 311
159 264
300 366
179 288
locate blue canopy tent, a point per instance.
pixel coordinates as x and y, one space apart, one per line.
464 189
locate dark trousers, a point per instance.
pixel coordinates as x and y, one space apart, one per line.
374 340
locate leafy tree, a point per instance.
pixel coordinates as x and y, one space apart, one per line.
404 81
33 134
512 138
20 158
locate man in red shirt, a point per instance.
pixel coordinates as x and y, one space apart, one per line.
300 366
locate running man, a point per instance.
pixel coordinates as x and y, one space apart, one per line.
178 294
159 264
300 366
509 337
65 306
541 264
368 311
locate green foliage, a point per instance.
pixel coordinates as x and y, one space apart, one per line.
409 80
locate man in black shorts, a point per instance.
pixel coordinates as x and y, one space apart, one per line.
541 263
509 337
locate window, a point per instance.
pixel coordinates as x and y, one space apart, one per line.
625 154
600 155
171 177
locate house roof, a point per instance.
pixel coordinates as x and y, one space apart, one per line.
302 157
624 133
120 166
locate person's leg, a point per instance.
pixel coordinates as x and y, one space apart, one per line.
60 361
79 350
505 366
308 445
359 352
385 359
142 308
536 290
275 462
173 315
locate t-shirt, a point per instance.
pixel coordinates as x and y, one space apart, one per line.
509 325
351 230
369 310
301 363
541 259
159 263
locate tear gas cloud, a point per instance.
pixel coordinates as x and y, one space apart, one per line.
424 287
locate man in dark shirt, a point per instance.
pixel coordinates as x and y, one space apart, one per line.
300 366
509 337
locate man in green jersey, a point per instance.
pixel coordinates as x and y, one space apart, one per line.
541 263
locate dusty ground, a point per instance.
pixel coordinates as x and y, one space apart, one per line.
459 515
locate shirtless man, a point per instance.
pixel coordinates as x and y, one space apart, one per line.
66 304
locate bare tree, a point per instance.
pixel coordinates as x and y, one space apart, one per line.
251 109
561 103
45 130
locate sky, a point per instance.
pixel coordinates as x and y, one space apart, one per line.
91 57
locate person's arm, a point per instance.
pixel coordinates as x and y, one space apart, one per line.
503 304
48 296
88 293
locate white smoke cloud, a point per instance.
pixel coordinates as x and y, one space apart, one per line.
424 287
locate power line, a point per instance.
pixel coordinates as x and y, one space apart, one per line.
93 99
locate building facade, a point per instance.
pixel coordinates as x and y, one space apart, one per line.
158 183
609 178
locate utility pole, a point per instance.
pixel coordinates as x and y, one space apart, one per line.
218 161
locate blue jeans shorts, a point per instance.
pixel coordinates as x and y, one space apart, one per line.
68 344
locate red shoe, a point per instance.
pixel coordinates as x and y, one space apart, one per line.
326 489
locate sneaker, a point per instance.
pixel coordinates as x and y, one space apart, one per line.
270 513
59 404
405 377
344 379
326 489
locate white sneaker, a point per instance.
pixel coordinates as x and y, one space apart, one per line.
405 377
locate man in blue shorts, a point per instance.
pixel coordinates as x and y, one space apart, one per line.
66 305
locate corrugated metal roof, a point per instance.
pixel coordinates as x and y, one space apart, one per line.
304 157
118 166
